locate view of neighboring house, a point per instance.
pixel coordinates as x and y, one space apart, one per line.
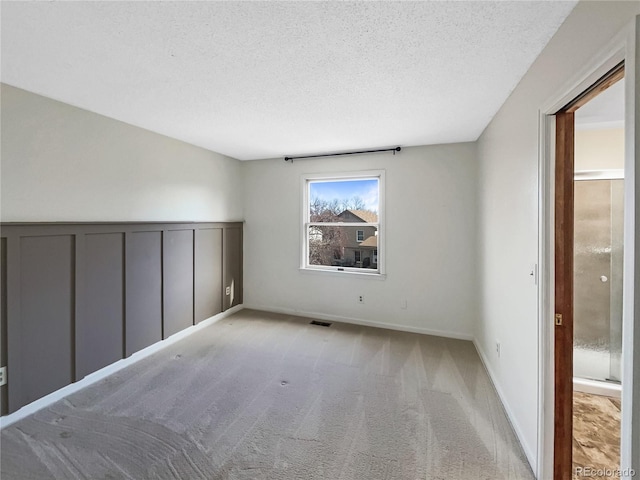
346 246
361 243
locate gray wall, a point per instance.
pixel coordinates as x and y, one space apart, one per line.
77 297
429 240
87 167
508 216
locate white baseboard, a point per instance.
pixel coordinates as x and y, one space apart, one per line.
531 457
110 369
360 321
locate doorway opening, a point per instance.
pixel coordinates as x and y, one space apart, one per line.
588 296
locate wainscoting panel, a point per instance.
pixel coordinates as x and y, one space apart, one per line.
233 267
47 315
4 398
178 281
209 289
77 297
100 323
144 290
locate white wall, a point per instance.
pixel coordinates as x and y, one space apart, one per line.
508 210
430 247
62 163
601 149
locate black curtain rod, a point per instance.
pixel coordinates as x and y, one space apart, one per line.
394 150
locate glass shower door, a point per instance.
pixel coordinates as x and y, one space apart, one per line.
598 250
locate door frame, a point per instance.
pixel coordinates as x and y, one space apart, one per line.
563 295
622 48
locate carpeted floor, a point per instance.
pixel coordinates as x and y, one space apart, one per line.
266 396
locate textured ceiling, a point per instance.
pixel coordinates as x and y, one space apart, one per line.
267 79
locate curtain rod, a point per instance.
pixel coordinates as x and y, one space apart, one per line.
394 150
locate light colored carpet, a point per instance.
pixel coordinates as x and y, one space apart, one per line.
266 396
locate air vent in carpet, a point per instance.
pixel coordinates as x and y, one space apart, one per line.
322 324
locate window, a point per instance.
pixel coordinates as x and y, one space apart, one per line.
343 222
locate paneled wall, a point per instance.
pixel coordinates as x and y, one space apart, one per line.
77 297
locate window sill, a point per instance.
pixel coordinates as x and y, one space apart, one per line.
342 273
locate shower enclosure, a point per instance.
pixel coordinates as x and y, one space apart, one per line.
598 247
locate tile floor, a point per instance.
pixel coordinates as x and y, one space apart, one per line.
596 435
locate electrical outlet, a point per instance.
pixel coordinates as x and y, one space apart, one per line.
498 348
3 376
228 291
360 298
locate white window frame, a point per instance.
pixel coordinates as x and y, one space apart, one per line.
359 235
306 180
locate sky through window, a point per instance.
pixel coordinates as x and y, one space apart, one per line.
345 190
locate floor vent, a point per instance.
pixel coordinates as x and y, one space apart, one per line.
322 324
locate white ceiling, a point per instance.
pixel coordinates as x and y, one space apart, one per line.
604 111
266 79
